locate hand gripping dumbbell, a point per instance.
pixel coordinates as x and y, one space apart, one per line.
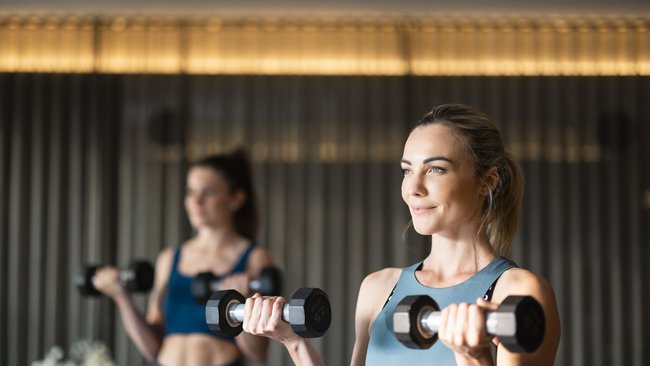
518 323
268 283
137 278
308 312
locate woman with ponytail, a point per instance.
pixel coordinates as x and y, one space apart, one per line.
464 191
221 207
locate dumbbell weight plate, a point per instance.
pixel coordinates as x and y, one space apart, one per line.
216 312
406 321
269 282
202 287
84 281
310 312
530 324
143 277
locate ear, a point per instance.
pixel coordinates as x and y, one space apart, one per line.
491 180
239 198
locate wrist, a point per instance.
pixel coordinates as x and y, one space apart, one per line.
482 358
292 342
122 298
295 345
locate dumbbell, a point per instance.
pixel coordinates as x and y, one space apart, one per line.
137 278
308 311
518 323
268 283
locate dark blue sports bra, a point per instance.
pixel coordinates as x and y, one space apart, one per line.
182 314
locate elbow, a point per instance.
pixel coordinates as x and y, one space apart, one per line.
151 354
258 357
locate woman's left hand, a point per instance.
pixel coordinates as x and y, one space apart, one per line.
238 281
462 328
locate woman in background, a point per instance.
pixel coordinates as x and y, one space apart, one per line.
221 207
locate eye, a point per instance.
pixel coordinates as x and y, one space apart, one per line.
406 171
437 169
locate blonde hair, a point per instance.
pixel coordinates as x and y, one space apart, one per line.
482 139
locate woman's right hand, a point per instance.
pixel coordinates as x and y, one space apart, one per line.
263 317
106 280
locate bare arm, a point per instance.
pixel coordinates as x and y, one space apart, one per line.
263 317
146 333
374 291
523 282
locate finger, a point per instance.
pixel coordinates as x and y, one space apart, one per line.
249 323
278 307
256 314
445 333
475 326
265 315
460 327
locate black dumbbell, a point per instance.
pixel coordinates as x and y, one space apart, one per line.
137 278
308 311
268 283
518 322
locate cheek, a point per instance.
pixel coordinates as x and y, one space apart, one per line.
219 203
187 202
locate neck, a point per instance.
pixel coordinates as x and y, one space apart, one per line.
211 238
452 256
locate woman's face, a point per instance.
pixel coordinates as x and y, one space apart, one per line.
208 199
439 185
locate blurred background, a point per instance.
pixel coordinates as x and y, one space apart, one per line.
103 104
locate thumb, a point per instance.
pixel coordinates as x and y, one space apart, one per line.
489 306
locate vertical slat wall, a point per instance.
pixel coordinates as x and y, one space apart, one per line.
92 170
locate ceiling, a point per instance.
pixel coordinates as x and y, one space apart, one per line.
323 7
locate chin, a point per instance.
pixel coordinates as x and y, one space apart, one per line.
423 229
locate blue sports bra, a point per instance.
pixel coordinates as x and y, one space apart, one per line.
182 314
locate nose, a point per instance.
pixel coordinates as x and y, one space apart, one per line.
195 198
413 185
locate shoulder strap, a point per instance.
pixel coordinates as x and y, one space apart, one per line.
243 260
502 265
405 271
177 257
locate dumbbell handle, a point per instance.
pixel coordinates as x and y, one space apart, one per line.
253 284
236 312
123 276
500 324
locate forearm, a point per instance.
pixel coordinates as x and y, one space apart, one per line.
303 353
252 346
145 337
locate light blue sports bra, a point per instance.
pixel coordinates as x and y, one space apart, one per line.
385 350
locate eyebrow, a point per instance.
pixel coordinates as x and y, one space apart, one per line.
428 160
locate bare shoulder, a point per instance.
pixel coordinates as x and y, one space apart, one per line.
519 281
375 290
165 257
381 280
164 266
161 276
260 258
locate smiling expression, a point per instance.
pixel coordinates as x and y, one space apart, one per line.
439 184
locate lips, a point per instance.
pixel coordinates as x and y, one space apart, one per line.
421 210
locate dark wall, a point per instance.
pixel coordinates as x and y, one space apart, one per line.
92 170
